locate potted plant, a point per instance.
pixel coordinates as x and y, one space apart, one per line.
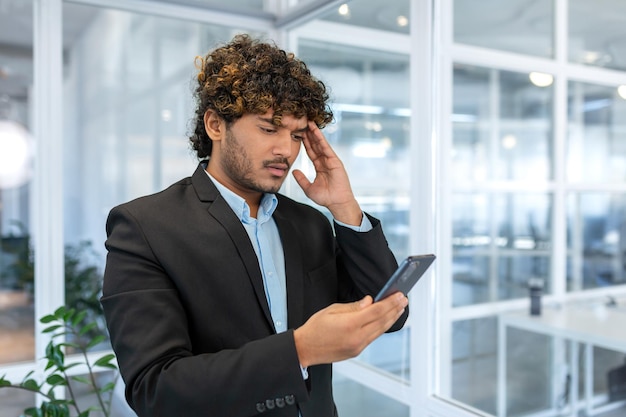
68 330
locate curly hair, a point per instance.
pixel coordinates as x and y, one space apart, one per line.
250 76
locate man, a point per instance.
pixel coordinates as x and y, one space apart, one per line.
224 298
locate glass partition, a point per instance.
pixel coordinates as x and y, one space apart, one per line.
590 45
522 26
17 153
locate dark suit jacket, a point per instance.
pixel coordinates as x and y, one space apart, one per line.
185 306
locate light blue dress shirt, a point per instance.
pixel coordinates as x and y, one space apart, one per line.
265 238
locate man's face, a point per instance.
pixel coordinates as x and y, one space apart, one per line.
255 155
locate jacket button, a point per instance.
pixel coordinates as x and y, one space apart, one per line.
280 402
260 407
270 404
290 399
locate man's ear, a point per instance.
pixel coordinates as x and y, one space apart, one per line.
214 125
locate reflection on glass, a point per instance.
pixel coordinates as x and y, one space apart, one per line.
500 241
596 228
596 141
17 149
502 126
590 46
474 367
354 399
522 26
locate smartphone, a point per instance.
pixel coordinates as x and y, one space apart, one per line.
408 273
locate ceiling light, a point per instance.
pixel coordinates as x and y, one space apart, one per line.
621 90
402 21
509 142
344 10
541 79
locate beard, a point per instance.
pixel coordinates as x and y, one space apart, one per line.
238 166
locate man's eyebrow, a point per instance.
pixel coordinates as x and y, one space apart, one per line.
271 121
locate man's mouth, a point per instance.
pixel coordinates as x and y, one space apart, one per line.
277 168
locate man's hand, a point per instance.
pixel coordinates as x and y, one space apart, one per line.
331 186
342 331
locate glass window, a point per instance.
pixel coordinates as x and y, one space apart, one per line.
502 126
590 45
596 247
390 16
475 367
16 173
522 26
596 140
500 241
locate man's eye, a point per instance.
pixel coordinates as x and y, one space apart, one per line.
268 130
298 138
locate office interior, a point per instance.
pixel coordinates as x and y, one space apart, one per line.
491 133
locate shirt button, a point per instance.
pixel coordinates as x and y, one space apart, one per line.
278 323
260 407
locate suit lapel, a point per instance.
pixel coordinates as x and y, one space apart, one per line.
221 211
293 269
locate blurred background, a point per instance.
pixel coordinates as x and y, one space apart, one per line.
492 133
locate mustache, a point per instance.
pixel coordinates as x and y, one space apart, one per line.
277 161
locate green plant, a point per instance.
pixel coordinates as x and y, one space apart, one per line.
66 323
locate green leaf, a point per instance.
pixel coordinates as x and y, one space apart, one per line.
51 328
95 341
67 316
70 345
30 384
33 412
60 312
47 319
87 328
71 365
56 379
108 387
81 379
79 317
105 360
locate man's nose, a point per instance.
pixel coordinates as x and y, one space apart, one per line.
283 145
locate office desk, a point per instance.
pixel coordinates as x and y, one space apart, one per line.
580 325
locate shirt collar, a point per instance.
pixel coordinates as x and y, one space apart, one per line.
268 205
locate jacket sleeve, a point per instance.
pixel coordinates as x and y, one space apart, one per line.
148 326
366 263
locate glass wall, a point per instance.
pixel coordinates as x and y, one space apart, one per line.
17 149
536 195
